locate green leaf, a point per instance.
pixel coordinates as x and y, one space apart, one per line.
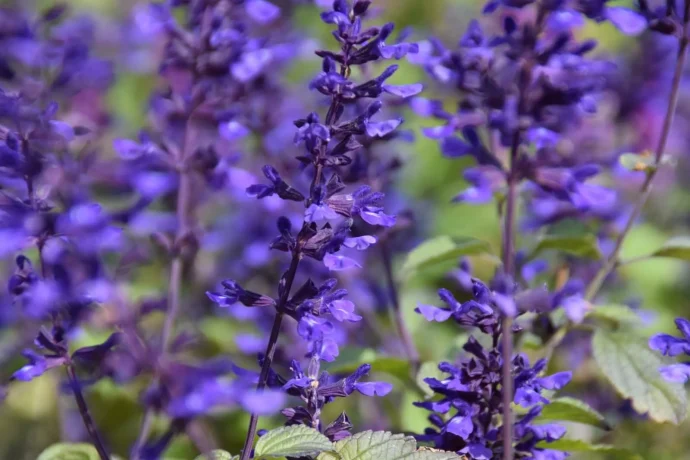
70 451
576 445
383 445
217 455
633 369
578 245
440 250
619 315
573 410
677 248
291 441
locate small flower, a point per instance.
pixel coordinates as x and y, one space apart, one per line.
673 346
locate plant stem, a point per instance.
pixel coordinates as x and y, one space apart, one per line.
272 346
507 321
394 297
185 223
646 189
85 414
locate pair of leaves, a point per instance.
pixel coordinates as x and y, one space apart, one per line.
444 250
300 440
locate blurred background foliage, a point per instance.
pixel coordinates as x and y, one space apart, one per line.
33 416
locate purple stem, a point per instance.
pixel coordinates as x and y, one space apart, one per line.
185 223
507 321
289 277
85 414
272 346
646 189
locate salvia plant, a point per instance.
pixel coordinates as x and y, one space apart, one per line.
215 224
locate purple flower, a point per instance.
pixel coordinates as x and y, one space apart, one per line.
676 373
235 293
37 366
319 388
262 11
529 386
673 346
279 187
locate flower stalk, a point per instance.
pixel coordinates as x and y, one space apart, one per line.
651 173
85 413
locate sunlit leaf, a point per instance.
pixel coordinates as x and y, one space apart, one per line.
585 246
676 248
291 441
383 445
633 369
70 451
573 410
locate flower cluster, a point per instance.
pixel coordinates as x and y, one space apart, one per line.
556 85
464 417
318 389
330 208
526 88
324 234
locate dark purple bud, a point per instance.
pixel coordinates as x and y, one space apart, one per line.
360 7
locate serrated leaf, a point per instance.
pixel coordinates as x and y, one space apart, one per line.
383 445
573 410
291 441
440 250
585 246
677 248
217 455
617 314
576 445
633 369
70 451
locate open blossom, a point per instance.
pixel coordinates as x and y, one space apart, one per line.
673 346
